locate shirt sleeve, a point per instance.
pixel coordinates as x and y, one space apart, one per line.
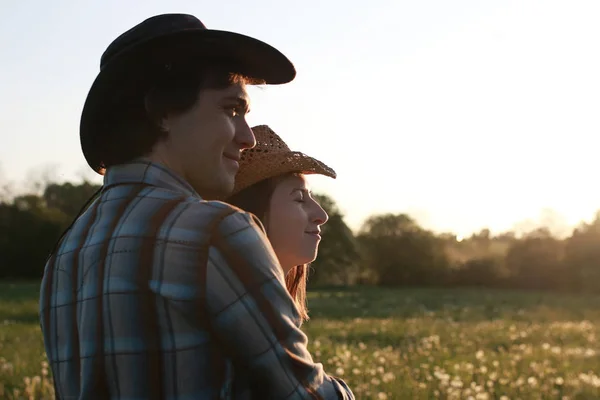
255 318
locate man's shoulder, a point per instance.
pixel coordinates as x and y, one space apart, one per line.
231 219
213 215
155 212
224 221
184 217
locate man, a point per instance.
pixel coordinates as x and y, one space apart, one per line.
154 292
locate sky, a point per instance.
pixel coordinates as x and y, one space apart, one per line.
464 114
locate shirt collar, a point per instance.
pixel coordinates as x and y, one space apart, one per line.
150 173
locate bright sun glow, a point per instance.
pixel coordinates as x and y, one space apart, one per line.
463 114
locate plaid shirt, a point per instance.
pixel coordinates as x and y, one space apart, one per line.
154 293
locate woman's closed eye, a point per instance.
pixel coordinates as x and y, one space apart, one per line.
298 195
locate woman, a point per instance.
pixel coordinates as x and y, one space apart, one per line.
271 184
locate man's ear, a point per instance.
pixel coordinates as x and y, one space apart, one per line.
164 124
154 112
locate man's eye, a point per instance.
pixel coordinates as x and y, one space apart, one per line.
233 110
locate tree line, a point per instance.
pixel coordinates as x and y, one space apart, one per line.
388 250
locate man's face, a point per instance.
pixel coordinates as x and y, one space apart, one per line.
205 142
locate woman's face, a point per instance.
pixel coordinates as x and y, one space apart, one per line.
294 222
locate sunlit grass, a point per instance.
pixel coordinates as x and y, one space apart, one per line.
458 344
396 344
23 367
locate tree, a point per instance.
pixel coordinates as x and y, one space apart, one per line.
28 233
536 261
338 261
31 224
67 197
582 256
400 252
487 271
6 189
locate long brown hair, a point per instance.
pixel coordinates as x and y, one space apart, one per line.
256 199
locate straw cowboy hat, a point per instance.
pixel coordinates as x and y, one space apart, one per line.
135 57
272 157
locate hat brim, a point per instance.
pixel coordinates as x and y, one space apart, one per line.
279 164
255 59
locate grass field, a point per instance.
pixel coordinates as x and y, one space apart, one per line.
398 344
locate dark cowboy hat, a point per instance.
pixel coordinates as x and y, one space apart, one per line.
147 48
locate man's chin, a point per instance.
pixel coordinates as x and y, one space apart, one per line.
223 191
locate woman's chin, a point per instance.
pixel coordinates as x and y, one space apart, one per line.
301 259
309 258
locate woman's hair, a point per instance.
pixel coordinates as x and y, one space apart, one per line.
256 199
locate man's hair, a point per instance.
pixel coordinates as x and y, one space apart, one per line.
134 129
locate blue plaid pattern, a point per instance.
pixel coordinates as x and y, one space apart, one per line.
154 293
